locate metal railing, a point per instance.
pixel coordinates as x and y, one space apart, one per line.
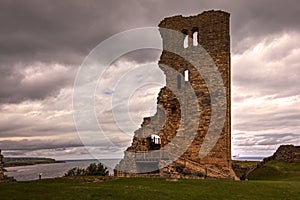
206 168
166 155
151 155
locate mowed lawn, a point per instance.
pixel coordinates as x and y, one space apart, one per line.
147 188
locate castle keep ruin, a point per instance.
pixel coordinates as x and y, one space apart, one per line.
153 151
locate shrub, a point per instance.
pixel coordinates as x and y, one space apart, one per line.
200 174
186 172
76 171
179 168
92 170
96 170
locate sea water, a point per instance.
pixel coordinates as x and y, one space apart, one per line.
253 158
53 170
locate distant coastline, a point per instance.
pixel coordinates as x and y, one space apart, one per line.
54 170
248 158
23 161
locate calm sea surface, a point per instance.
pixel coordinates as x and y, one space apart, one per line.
249 158
31 172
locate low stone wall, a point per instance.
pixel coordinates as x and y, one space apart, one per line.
1 167
4 178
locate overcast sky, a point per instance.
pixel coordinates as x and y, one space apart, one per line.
43 43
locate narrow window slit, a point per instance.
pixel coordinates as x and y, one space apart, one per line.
186 75
179 81
185 39
195 36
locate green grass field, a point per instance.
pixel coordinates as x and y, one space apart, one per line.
283 183
246 163
144 188
277 171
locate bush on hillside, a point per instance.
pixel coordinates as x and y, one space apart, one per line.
92 170
76 171
96 170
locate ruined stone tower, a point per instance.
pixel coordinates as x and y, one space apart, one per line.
204 40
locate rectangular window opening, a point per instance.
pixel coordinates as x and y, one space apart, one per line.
186 75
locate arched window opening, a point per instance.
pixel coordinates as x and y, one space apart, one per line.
154 142
178 81
186 42
186 75
195 36
185 39
155 139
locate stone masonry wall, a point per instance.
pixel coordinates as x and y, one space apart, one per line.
1 167
214 37
4 178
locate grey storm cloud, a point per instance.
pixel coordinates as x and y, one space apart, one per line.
43 43
62 32
37 144
66 31
269 139
18 86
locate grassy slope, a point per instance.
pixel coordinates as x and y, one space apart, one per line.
142 189
274 180
246 163
276 170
